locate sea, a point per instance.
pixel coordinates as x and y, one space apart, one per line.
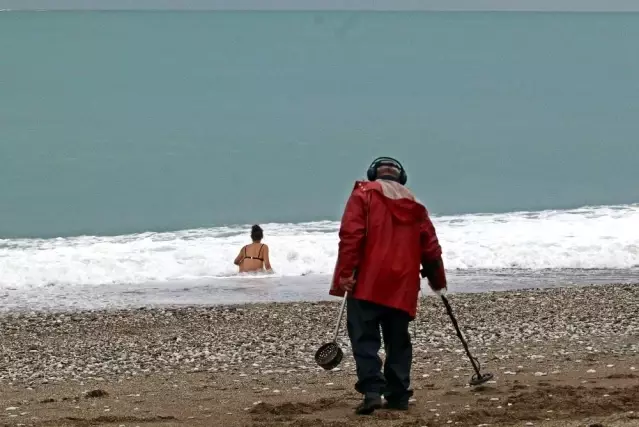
137 148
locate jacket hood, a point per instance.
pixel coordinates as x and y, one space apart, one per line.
401 202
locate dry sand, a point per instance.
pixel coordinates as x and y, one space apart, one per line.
561 357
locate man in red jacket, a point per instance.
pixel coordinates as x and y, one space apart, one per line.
385 235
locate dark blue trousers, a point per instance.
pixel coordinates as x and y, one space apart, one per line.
364 321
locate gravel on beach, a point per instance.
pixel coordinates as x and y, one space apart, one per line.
246 346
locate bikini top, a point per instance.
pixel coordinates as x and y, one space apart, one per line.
254 257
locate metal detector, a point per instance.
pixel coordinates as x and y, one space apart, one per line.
478 378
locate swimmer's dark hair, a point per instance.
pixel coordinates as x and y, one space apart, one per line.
257 233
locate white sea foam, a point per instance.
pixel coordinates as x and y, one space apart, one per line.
604 237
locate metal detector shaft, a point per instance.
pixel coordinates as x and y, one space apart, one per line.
452 318
339 318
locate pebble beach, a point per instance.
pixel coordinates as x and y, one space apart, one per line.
562 356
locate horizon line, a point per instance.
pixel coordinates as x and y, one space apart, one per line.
326 5
633 11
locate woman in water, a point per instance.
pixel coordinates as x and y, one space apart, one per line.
254 256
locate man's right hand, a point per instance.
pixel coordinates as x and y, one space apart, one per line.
347 283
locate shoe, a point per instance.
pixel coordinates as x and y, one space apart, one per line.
370 403
396 405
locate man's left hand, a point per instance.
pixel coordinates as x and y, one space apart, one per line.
347 283
441 292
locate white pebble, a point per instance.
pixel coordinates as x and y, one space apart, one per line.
591 371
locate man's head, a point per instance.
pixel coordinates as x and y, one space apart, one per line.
387 168
388 172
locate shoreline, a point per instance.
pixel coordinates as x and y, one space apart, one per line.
252 364
298 289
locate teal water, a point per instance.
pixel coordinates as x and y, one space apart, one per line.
119 122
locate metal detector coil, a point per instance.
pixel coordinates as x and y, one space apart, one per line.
330 355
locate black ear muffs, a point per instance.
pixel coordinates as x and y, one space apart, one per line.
371 173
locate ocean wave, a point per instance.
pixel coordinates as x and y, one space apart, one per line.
604 237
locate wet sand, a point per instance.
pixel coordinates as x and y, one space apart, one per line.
561 357
248 289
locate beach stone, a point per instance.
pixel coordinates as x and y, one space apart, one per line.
280 339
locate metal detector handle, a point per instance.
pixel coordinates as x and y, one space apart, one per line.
459 334
339 318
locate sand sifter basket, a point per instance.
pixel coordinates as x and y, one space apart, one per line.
329 355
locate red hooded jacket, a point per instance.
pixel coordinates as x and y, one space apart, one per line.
384 236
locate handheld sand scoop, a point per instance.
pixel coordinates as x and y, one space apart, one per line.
478 378
329 355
